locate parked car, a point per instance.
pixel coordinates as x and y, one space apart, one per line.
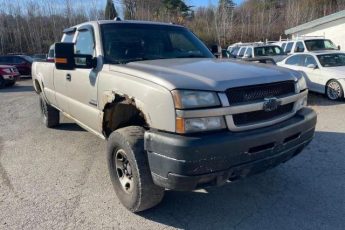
306 44
8 75
22 62
174 116
324 70
258 51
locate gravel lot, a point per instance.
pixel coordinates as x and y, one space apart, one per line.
58 179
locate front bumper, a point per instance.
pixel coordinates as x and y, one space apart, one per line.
189 162
10 77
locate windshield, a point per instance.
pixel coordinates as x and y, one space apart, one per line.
123 43
332 60
268 51
320 44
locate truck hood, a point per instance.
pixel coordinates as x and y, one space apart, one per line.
205 73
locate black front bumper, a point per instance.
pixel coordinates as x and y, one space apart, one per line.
188 162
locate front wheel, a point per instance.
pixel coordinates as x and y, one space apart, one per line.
129 170
50 115
334 91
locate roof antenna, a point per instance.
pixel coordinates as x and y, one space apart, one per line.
117 19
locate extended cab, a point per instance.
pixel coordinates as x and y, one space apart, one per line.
174 116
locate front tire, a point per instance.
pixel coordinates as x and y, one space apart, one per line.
129 170
334 91
50 115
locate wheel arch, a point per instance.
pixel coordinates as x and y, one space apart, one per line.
121 111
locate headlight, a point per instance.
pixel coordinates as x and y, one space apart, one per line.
301 84
192 125
189 99
7 70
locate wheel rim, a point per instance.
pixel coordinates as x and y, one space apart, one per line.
334 90
124 171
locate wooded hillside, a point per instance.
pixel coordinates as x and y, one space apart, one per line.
31 26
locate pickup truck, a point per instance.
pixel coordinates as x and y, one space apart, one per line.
173 115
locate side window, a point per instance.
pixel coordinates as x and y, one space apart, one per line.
68 37
294 60
283 46
242 51
235 51
18 60
309 60
289 47
85 43
249 52
299 47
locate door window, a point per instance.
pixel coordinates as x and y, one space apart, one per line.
294 60
283 46
242 51
308 60
299 47
85 43
249 52
289 47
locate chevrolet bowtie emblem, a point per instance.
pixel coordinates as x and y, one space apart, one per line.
271 104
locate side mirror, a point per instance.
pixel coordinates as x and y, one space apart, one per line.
64 56
65 59
312 66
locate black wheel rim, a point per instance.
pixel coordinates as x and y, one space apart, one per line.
123 170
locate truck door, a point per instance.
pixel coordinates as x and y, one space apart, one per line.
61 80
82 83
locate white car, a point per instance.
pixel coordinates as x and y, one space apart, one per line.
325 71
307 44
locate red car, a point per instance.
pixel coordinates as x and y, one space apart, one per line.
22 62
8 75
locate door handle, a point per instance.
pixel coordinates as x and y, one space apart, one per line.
68 77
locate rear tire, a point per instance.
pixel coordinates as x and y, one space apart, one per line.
11 83
2 82
50 115
129 170
334 91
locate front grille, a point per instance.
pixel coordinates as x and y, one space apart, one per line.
261 115
259 92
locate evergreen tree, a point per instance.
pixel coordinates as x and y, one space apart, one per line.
110 11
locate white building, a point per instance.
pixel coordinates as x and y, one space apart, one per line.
331 26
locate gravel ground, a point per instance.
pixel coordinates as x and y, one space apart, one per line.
58 179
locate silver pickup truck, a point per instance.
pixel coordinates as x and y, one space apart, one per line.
174 116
